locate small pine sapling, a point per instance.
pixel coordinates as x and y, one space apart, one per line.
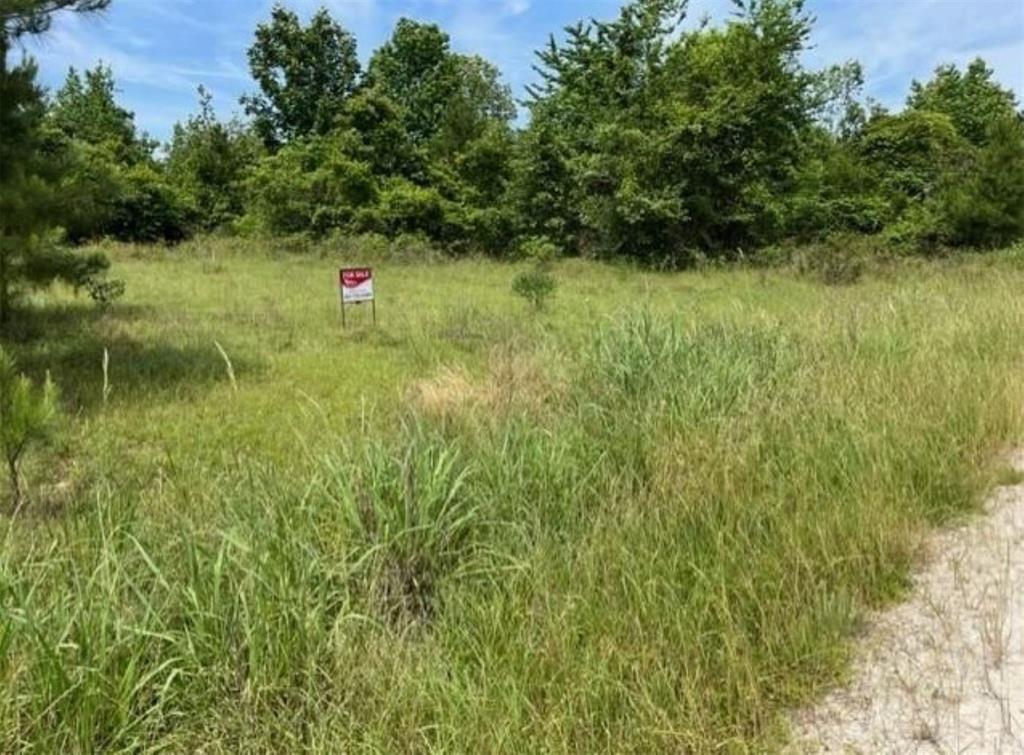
27 416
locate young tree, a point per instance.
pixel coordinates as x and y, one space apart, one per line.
27 416
27 196
305 75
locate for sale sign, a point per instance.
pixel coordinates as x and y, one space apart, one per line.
356 285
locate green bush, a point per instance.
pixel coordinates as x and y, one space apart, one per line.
408 208
490 230
147 208
535 285
104 291
310 186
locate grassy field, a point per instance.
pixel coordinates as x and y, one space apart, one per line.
646 519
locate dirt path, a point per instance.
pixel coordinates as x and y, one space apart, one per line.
943 672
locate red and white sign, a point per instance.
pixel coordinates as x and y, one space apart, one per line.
356 284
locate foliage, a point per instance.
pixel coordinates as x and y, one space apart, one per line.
540 250
305 74
834 191
110 183
85 110
972 100
540 189
983 205
536 285
675 142
21 17
911 152
104 291
310 185
382 141
646 140
30 201
407 208
207 161
27 416
839 260
148 208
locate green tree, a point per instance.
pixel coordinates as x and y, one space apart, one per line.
911 151
478 102
675 142
416 70
207 161
382 140
971 99
983 206
541 186
446 100
85 109
27 182
305 75
110 183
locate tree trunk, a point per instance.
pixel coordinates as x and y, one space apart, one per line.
5 295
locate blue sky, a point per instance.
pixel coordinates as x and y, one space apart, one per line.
160 50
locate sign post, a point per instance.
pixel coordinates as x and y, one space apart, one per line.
356 288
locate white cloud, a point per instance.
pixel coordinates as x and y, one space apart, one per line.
897 41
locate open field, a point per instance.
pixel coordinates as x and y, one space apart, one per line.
647 518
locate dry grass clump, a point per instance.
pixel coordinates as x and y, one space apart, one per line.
514 381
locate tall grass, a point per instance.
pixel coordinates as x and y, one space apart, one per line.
659 552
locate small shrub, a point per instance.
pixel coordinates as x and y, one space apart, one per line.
535 285
27 416
104 291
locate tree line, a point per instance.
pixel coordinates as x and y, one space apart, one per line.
643 140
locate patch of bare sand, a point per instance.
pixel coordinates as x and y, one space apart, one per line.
943 672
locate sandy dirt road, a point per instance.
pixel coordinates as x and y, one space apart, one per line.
944 671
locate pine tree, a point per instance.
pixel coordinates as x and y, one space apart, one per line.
27 196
